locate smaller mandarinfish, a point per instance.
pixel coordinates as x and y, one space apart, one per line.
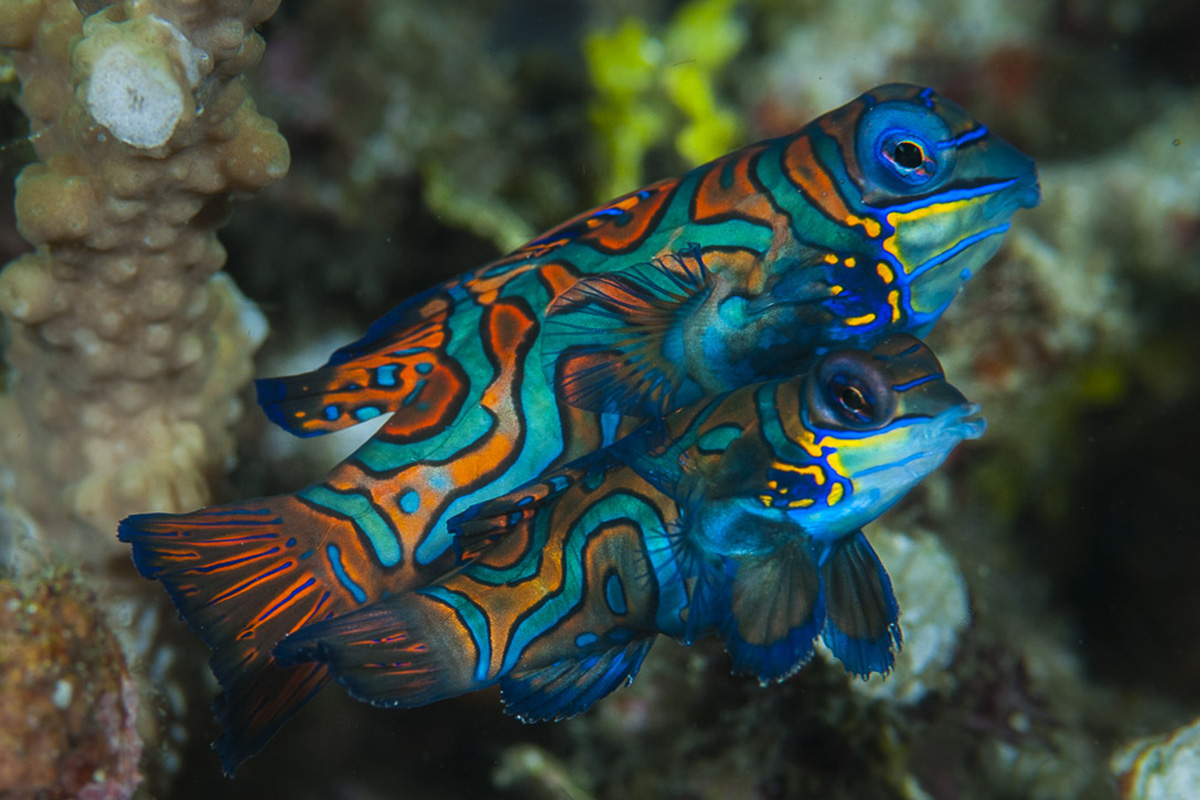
738 516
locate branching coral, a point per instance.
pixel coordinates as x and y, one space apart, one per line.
127 351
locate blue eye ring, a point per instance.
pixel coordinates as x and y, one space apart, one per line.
902 147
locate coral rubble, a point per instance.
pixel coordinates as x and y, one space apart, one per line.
68 704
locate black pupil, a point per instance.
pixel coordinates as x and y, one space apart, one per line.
854 400
909 155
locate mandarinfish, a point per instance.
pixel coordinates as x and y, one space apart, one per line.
738 516
864 223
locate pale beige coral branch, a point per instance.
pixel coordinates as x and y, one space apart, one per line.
128 349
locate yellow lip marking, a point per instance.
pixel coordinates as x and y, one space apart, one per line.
831 258
897 219
865 319
894 302
836 289
885 272
835 493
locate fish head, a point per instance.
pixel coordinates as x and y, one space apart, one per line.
827 451
881 420
933 186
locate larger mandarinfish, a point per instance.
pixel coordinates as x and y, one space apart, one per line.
865 222
738 515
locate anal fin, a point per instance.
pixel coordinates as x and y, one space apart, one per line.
572 685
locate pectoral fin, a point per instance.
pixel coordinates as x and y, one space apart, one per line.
776 611
615 342
862 627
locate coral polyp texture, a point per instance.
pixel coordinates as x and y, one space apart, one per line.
69 704
127 351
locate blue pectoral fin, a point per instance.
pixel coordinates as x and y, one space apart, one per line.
615 342
776 611
570 686
862 627
390 653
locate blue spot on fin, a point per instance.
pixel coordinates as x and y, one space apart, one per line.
570 686
862 628
614 342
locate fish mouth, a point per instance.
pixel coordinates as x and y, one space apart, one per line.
1025 192
964 422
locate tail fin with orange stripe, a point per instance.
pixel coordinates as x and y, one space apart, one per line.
243 577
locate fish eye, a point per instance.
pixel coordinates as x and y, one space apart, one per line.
907 158
908 154
849 391
900 149
852 400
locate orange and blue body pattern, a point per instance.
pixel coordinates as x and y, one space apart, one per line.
737 516
864 223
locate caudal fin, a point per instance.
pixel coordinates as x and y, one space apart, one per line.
244 577
398 367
